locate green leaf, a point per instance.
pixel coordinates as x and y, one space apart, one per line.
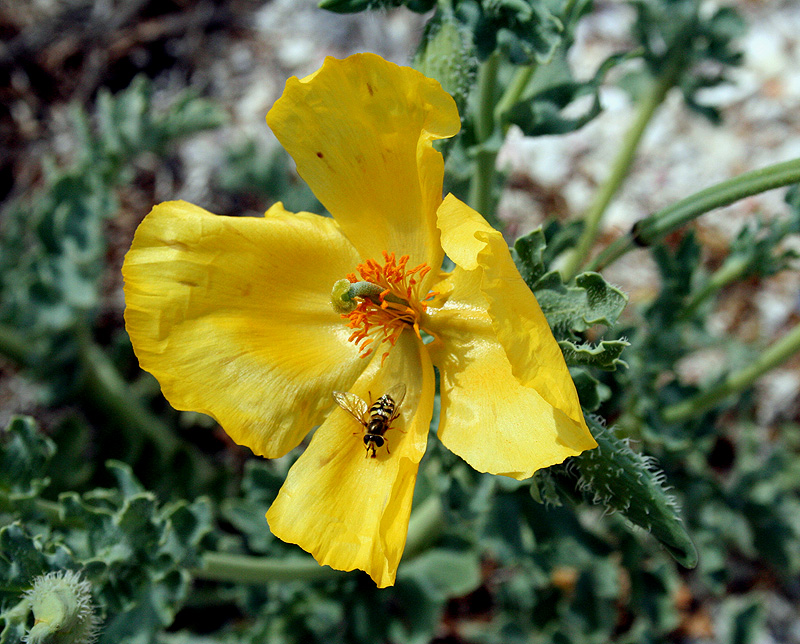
260 485
576 308
624 481
13 623
24 455
249 170
678 271
742 620
675 32
444 573
591 392
528 254
53 247
425 583
604 355
24 556
552 90
756 249
526 31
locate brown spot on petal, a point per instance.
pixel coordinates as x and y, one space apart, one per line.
370 90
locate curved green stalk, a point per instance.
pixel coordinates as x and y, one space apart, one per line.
738 381
514 92
656 226
426 523
621 166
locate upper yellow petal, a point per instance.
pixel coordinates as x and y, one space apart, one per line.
232 316
521 327
361 132
349 510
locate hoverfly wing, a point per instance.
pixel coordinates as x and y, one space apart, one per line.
396 393
352 404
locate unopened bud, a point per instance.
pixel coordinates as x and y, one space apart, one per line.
447 54
62 608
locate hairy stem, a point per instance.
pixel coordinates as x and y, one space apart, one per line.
659 224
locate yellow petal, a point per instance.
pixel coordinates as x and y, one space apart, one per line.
499 413
348 510
488 417
360 131
520 325
232 316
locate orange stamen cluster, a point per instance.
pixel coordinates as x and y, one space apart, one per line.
386 319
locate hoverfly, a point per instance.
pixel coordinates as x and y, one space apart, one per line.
376 419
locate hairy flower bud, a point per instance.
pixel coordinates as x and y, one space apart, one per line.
62 607
447 54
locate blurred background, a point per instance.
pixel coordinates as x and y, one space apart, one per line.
108 107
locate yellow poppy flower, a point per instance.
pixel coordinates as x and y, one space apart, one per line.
233 316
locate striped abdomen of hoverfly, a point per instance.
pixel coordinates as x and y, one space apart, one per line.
376 419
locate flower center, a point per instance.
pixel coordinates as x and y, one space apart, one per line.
383 302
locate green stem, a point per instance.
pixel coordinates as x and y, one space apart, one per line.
480 188
659 224
427 522
738 381
244 569
568 8
105 390
730 271
621 166
513 92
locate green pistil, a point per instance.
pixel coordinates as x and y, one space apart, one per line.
345 292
